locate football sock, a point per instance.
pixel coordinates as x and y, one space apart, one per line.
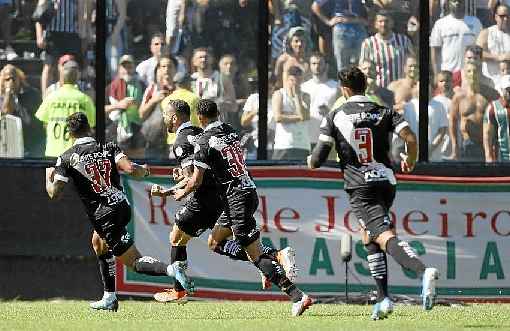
234 250
151 266
404 255
107 270
178 253
377 264
275 273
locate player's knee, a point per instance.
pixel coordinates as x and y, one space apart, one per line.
211 243
246 239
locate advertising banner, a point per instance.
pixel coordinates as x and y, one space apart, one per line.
459 225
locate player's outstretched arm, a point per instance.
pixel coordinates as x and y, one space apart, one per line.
192 184
409 159
132 169
319 154
54 188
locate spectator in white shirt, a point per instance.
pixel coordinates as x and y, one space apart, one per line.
451 35
322 91
146 68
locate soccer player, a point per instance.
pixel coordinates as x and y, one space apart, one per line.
360 131
219 150
203 207
93 168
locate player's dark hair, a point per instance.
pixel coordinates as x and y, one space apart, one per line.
78 124
354 79
181 107
207 108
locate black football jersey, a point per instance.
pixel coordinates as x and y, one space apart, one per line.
92 167
361 131
219 149
184 148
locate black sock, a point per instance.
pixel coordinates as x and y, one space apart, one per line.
404 255
377 264
150 266
107 270
268 250
232 249
275 273
178 253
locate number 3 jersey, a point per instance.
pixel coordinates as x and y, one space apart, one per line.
361 131
219 149
92 167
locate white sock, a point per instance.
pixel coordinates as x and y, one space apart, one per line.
109 295
170 270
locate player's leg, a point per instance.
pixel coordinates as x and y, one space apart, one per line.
244 228
178 256
106 262
377 263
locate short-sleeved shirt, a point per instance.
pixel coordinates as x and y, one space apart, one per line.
92 167
453 36
219 149
360 130
499 116
54 111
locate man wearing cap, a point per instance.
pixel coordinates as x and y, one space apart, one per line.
54 110
125 94
55 86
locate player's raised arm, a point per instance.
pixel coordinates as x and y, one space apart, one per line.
132 168
409 159
321 151
54 186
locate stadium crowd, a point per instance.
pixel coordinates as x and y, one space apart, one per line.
158 51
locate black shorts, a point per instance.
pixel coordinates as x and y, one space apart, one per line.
60 43
199 213
112 229
371 206
238 215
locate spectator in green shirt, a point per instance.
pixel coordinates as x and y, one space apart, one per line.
58 106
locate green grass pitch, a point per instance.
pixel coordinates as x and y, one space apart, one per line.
233 316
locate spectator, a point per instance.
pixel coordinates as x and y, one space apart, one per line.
380 95
387 49
291 113
204 80
116 13
294 55
503 79
60 37
81 85
348 20
5 26
151 112
125 94
288 14
466 115
227 101
451 35
443 98
437 130
402 12
495 41
473 55
146 69
183 92
406 88
19 99
58 106
496 140
322 92
175 14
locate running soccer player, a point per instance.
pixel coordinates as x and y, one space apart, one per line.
360 131
203 207
219 150
93 168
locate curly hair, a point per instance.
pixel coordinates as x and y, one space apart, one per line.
207 108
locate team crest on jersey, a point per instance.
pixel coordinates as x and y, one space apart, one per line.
324 122
59 161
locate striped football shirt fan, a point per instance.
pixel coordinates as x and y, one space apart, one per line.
389 56
499 116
